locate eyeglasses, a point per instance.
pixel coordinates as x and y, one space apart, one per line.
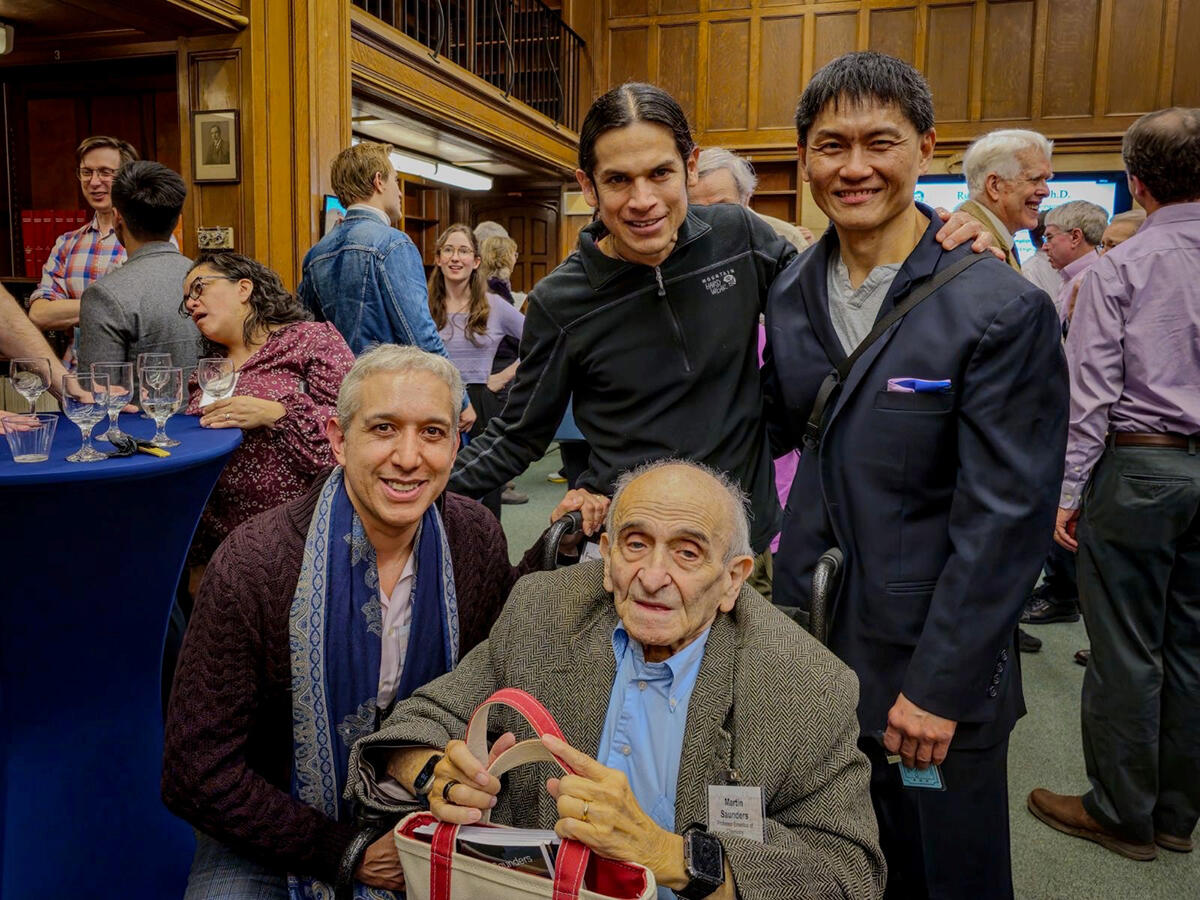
450 252
105 173
197 287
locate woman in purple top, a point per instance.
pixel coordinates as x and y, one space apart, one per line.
289 369
472 323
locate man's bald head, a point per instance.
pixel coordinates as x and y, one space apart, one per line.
687 484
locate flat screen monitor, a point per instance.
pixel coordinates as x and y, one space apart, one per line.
1107 189
332 213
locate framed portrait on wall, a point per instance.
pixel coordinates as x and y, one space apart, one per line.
216 146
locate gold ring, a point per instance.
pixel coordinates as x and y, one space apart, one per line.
586 806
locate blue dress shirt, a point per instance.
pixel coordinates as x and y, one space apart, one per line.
643 729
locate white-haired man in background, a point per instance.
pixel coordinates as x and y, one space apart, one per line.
724 177
1073 234
1006 174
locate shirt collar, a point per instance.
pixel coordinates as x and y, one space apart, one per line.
686 659
1006 238
1071 269
366 207
1172 213
94 225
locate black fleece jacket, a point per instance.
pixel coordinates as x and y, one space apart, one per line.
662 361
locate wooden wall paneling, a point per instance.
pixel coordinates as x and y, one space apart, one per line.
678 64
948 60
628 55
1136 48
1185 89
894 32
619 8
728 4
167 130
667 7
728 91
49 140
836 33
1069 58
1008 59
781 58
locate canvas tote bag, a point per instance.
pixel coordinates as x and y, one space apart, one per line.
433 870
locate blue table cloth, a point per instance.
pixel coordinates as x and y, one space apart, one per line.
91 554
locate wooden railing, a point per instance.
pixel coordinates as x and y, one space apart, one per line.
521 46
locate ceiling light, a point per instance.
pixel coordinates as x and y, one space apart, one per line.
462 178
413 165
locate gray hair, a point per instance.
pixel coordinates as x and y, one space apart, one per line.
713 159
487 229
996 152
396 359
739 538
1136 216
1088 217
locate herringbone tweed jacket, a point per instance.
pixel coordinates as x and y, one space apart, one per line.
770 703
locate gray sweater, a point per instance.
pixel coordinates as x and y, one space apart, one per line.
134 309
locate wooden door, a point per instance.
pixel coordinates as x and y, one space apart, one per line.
534 226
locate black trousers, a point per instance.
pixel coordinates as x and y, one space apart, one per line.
1059 573
1139 588
487 406
945 845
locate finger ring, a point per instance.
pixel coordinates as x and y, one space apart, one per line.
587 804
226 417
446 790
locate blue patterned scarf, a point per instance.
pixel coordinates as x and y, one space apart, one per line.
336 627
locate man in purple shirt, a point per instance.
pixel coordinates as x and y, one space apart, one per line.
1135 520
1072 237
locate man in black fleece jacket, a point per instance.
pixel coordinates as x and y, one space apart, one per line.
650 324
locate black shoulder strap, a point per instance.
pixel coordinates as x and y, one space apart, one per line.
815 426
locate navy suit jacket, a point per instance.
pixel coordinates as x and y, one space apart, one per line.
943 503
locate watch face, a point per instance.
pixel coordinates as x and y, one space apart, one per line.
706 862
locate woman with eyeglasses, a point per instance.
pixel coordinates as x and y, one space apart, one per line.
288 371
472 323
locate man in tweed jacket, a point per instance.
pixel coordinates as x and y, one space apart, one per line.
768 707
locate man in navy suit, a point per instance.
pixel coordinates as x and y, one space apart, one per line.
936 473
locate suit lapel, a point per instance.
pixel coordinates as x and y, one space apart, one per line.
812 282
707 745
577 693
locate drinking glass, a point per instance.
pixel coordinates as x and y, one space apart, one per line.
155 360
29 437
85 402
120 393
162 395
30 376
216 377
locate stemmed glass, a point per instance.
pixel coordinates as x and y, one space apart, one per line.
162 395
154 360
30 375
120 393
85 402
216 377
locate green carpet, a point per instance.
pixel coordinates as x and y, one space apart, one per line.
1044 752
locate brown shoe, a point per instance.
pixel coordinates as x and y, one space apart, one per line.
1175 844
1066 814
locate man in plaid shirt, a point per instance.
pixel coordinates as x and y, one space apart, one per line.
80 257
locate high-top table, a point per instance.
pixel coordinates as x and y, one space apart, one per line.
90 556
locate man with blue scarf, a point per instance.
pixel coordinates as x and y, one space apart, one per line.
312 621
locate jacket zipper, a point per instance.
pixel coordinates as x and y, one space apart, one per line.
662 292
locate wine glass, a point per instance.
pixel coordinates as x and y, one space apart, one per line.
162 395
120 393
30 375
154 360
216 377
85 402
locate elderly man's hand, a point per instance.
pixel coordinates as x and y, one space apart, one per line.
380 865
918 736
596 806
960 228
471 788
1064 528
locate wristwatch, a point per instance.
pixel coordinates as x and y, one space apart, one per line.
424 780
704 861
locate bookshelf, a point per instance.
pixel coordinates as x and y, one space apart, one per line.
425 207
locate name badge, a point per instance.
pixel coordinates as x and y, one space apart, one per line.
736 810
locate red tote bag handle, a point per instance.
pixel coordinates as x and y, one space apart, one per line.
572 860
